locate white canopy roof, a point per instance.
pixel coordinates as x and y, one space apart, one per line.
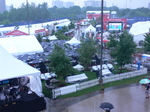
32 29
73 41
78 67
90 29
13 68
21 45
139 29
53 37
75 78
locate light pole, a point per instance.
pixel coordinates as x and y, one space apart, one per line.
28 16
101 56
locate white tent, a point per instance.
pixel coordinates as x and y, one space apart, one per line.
73 41
76 78
32 30
13 68
90 29
139 29
21 45
53 37
78 67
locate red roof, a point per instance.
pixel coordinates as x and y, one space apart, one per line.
40 30
16 33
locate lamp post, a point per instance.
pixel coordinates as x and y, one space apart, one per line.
28 16
101 56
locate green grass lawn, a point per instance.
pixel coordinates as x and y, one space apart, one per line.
48 92
91 76
106 85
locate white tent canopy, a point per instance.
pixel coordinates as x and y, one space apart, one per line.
76 78
139 29
32 29
90 29
14 68
73 41
78 67
53 37
21 45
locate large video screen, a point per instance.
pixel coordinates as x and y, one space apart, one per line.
115 26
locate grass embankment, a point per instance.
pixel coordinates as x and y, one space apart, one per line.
91 75
110 84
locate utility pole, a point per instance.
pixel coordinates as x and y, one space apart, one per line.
101 56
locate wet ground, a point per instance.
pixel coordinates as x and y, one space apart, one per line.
128 98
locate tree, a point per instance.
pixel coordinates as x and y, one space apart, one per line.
124 49
113 41
39 38
112 44
86 52
147 43
59 62
60 33
71 25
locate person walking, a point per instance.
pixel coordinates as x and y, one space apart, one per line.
147 90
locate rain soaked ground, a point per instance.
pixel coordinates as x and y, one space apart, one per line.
128 98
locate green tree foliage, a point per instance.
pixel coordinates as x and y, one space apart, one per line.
94 22
139 12
71 25
59 62
41 12
113 41
39 38
147 43
60 33
86 52
124 49
112 44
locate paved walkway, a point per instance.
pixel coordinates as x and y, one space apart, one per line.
129 98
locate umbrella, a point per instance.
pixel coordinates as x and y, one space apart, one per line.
106 106
103 39
144 81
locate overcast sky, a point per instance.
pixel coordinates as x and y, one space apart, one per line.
119 3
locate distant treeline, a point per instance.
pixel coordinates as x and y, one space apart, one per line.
41 13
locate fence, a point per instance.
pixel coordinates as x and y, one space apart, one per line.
87 84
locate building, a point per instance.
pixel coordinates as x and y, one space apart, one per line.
68 4
2 6
57 3
110 23
93 3
149 5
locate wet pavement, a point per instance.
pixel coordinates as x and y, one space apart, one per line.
127 98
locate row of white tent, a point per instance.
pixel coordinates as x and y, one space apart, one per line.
33 27
11 67
19 45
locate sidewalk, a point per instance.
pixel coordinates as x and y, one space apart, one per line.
127 98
